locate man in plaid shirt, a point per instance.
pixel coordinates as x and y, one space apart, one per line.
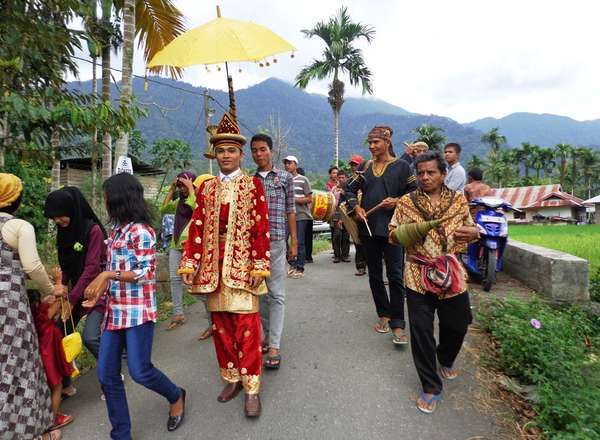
279 188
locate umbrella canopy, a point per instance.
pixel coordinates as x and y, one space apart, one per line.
221 40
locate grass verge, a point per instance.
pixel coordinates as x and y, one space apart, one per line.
551 357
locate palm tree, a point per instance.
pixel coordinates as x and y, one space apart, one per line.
562 152
576 154
494 139
156 23
589 161
546 156
476 162
339 57
526 156
431 135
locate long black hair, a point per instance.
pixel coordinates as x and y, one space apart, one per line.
125 203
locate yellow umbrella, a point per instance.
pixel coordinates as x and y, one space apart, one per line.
221 40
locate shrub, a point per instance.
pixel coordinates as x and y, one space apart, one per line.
560 358
595 286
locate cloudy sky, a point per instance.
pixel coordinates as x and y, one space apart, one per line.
465 59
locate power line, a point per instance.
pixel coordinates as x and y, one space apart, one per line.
153 81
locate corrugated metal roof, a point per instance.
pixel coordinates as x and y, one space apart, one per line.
522 196
555 199
593 200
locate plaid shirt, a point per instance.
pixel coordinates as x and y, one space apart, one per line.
131 248
279 187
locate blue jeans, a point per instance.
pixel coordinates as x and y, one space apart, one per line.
138 341
301 228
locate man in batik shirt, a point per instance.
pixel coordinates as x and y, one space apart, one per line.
434 278
227 256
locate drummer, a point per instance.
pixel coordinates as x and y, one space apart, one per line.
303 198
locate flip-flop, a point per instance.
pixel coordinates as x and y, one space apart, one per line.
273 362
205 334
435 398
175 323
382 329
399 339
448 373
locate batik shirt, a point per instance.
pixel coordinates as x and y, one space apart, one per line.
131 248
440 241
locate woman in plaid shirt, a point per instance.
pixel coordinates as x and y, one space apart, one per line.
130 316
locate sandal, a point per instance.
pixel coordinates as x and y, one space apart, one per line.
61 420
448 373
66 394
434 399
379 328
50 435
264 348
175 323
399 339
273 362
205 334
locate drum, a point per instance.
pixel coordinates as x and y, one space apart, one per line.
323 205
349 224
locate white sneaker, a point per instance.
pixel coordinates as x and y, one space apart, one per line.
297 274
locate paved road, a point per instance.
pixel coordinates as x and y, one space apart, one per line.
339 379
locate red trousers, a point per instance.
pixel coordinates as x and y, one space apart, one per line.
237 343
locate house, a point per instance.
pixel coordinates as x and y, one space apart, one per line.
78 172
593 209
559 205
522 196
542 202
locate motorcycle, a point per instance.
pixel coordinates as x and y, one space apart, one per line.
485 257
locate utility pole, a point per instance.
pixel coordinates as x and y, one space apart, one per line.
207 115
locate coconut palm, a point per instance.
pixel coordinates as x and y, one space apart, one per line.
431 135
340 57
156 23
476 162
494 139
562 152
589 160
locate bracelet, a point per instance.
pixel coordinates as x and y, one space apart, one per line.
118 275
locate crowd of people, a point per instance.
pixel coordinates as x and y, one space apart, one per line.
232 239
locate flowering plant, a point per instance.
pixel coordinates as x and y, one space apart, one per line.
78 247
535 324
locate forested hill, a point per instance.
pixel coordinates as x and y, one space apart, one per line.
308 122
543 129
305 117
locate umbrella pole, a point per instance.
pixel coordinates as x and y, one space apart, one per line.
232 108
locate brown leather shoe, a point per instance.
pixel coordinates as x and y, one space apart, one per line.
230 391
252 406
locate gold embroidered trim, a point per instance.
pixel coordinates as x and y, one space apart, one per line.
251 383
260 273
382 170
231 375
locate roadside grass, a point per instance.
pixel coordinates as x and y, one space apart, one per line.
551 357
582 241
321 244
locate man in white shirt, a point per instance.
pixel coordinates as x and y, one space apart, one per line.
456 179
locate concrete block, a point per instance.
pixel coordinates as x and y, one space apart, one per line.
553 274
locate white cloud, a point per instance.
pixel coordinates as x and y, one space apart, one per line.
465 59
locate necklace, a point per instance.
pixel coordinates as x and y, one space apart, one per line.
379 172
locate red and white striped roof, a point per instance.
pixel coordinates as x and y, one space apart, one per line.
522 196
557 199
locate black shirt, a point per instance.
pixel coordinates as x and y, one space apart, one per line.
396 180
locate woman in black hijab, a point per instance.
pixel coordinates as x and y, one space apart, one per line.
81 255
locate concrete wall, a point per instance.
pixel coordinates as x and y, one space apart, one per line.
553 274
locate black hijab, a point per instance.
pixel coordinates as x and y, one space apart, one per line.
70 202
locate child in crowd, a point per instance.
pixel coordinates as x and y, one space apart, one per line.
45 311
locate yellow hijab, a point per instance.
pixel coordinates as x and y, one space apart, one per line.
11 188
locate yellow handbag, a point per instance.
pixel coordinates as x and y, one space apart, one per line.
72 344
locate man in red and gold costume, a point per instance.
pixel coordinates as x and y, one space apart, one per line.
227 257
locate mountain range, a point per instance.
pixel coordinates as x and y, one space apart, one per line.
176 110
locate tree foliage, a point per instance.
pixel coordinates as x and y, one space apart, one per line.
431 135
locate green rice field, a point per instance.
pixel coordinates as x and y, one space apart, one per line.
582 241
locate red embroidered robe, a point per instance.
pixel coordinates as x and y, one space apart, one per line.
228 243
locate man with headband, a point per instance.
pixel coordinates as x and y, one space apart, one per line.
227 257
382 181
